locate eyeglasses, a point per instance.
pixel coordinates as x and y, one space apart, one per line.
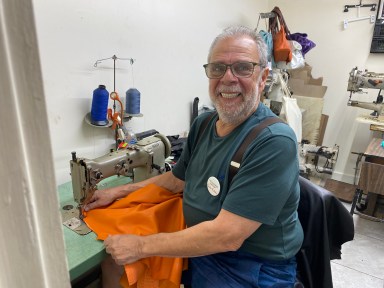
238 69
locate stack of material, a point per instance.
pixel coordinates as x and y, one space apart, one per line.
309 93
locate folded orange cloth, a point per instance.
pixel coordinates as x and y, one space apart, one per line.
149 210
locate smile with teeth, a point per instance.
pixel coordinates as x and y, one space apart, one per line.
229 95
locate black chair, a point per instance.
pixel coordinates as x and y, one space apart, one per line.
327 224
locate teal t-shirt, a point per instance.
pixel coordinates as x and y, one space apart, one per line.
265 189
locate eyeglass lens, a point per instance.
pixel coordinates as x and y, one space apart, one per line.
239 69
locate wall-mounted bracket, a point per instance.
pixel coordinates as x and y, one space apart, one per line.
372 6
358 18
267 15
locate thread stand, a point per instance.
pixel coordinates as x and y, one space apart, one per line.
125 117
114 58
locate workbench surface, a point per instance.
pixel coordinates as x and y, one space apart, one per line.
375 149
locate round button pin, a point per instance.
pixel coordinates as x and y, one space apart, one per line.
213 186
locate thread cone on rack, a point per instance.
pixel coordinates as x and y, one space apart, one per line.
99 106
132 101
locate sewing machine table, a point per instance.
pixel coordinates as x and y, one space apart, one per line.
84 252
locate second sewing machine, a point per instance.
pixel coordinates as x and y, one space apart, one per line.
364 79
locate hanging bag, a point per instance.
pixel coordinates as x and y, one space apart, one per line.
305 43
278 28
290 112
267 37
297 61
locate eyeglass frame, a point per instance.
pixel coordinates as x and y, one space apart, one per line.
230 67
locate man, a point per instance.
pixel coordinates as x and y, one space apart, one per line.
240 234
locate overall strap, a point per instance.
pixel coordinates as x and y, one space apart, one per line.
203 126
236 159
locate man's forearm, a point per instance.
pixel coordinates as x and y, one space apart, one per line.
226 232
199 240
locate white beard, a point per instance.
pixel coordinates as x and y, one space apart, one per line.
235 115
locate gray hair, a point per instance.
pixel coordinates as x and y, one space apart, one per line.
238 31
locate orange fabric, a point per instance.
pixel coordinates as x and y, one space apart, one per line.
149 210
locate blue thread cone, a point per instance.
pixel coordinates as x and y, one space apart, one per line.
132 105
99 106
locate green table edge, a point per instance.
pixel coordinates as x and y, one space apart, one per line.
84 252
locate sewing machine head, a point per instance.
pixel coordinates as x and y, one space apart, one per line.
310 157
139 161
364 79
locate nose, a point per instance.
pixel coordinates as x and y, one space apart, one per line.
228 75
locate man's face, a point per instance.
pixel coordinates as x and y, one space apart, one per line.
236 98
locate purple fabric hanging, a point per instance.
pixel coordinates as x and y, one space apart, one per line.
305 43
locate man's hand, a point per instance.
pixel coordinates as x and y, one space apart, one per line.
124 249
101 198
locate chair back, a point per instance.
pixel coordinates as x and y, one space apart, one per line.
327 225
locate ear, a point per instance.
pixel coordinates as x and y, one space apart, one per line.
263 79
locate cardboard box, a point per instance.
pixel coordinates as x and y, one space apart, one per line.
298 87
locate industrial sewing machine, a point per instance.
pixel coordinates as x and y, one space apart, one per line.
363 79
310 157
139 161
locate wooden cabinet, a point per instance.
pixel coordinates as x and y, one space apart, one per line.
371 180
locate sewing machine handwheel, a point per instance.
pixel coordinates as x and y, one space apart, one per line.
167 144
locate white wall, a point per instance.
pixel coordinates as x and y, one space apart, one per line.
338 50
169 40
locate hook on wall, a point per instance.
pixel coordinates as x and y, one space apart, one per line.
264 16
347 7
